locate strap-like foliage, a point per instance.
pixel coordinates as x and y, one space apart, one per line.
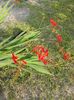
18 46
4 11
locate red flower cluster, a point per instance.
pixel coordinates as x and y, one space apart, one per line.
15 59
42 53
66 56
53 22
59 38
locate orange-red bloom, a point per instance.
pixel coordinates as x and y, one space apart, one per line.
38 47
24 62
41 52
59 38
53 22
14 58
66 56
45 61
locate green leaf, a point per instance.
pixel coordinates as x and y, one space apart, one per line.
40 69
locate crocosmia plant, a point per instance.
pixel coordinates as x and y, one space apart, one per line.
17 53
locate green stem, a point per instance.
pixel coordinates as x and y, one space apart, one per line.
41 22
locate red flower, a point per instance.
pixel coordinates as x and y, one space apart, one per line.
41 52
24 62
53 22
45 61
59 38
66 56
41 57
46 52
14 58
38 47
